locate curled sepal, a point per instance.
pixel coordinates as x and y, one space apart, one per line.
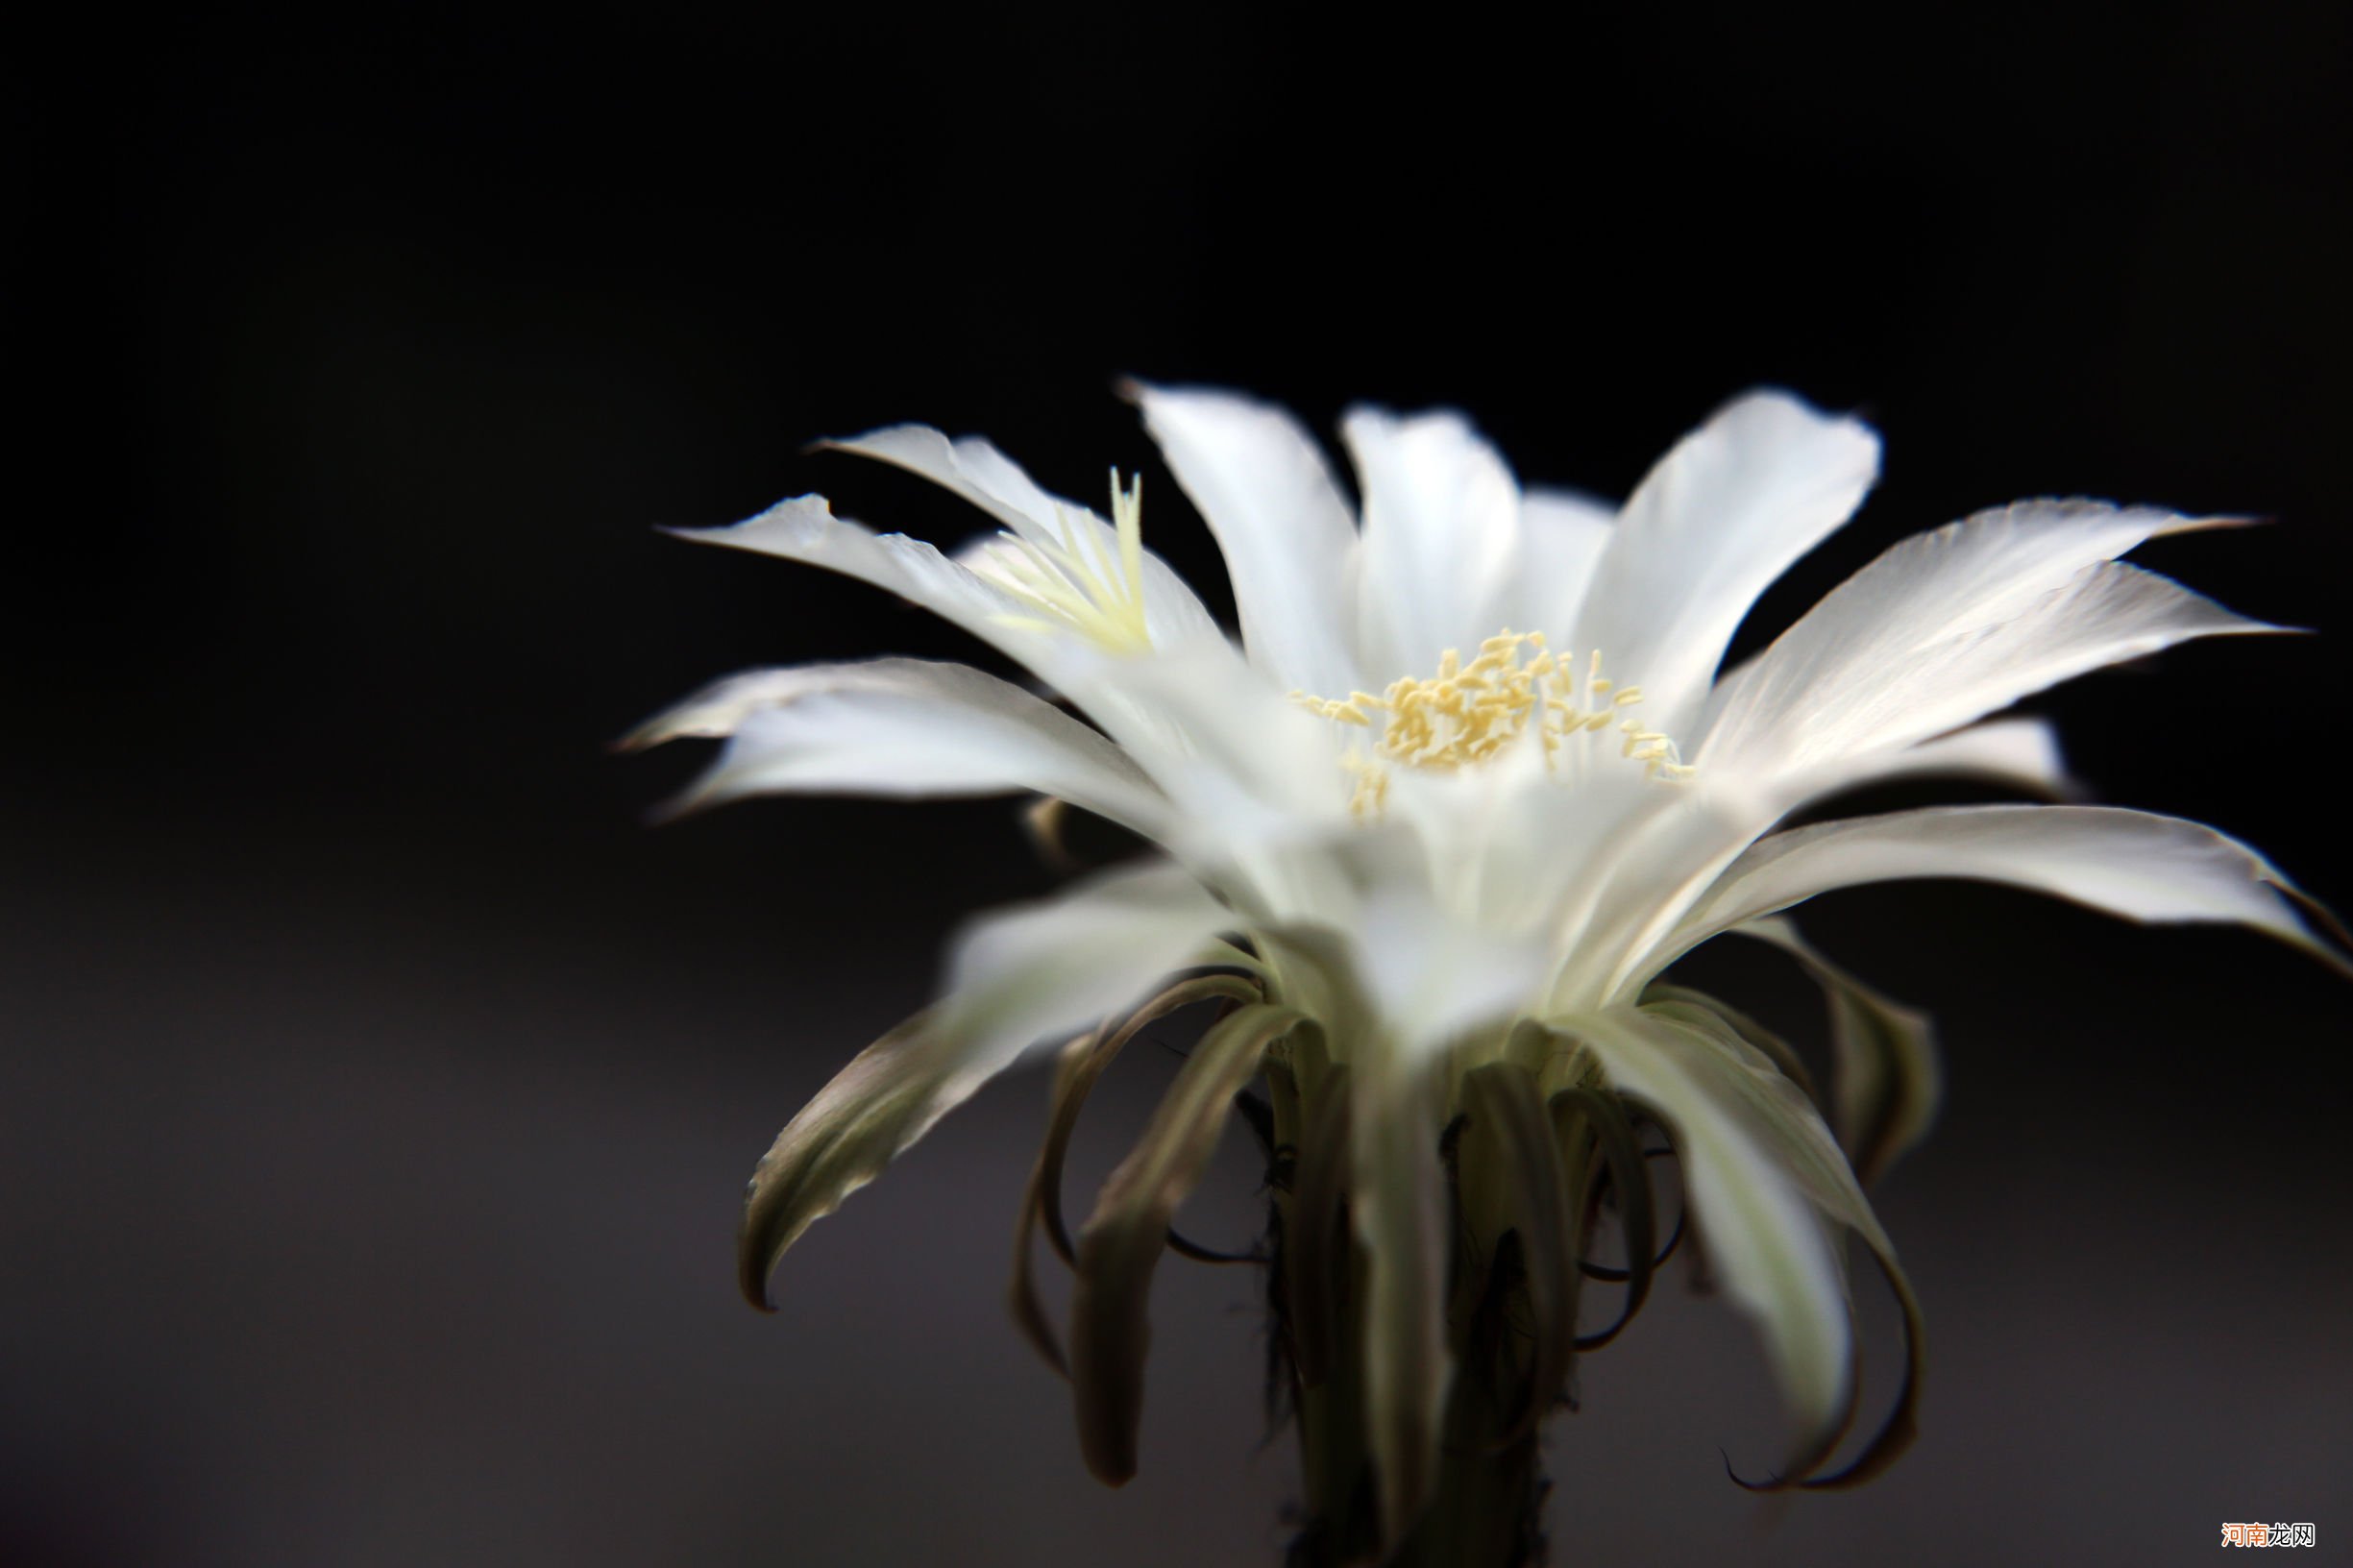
1018 975
1123 1240
1318 1248
1759 1170
1505 1107
1889 1077
1902 1427
1075 1071
1586 1118
887 1097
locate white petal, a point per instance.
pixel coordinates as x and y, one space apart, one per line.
1243 760
1709 528
1951 625
1750 1170
2021 754
902 727
970 467
2133 863
1281 521
804 529
994 482
1434 975
1042 970
1562 538
1441 533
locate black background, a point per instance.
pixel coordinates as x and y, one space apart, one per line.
378 1087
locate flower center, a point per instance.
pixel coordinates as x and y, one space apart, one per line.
1081 576
1469 713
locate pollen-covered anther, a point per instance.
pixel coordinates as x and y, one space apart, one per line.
1469 712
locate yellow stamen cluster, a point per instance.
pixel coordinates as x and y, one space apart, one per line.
1074 581
1470 712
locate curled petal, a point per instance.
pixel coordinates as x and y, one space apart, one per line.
1562 538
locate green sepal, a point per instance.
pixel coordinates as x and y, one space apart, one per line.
1121 1242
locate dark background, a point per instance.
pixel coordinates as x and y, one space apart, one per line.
378 1087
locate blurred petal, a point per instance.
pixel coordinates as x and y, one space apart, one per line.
2023 754
902 727
805 529
1398 1206
971 467
1441 533
2133 863
1281 521
1713 525
1017 976
1245 762
1562 538
1952 625
2017 753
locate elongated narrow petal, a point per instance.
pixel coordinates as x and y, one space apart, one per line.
1441 534
1562 538
1648 875
975 470
804 529
2023 754
1281 521
1709 528
902 727
2134 864
1949 625
1021 974
970 467
1756 1163
1123 1240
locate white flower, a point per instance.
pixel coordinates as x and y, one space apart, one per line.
1472 779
